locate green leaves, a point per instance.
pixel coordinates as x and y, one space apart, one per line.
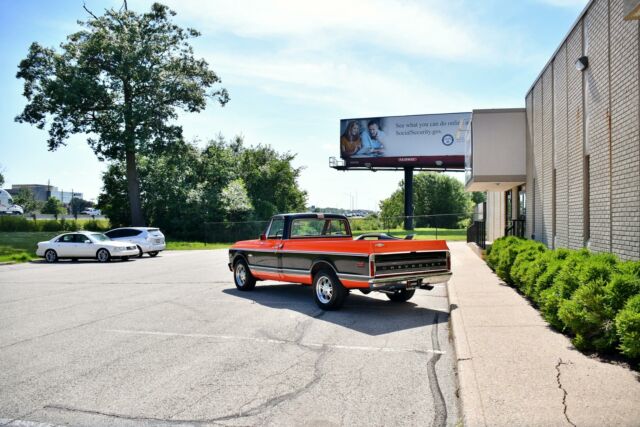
121 79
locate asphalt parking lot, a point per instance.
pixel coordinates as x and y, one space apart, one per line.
170 341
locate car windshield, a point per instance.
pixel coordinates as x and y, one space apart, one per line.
99 237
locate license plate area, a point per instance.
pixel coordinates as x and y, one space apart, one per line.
412 284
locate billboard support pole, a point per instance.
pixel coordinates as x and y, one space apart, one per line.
408 198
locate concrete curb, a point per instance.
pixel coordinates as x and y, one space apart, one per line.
469 392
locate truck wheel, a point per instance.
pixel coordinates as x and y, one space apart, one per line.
51 256
328 292
401 296
242 276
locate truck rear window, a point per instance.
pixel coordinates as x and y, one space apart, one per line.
317 227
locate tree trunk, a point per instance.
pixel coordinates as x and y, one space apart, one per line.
133 186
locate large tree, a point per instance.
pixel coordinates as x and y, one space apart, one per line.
121 80
439 200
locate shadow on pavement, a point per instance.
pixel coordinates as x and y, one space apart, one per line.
360 312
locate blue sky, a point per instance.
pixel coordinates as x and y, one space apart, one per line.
294 68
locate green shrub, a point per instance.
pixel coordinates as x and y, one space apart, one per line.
51 225
18 223
96 225
589 317
579 269
550 265
631 267
527 266
503 254
622 287
628 328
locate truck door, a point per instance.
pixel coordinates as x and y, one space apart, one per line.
267 257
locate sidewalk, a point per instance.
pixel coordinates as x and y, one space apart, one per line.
516 371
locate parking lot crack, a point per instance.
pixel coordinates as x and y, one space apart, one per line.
440 407
564 392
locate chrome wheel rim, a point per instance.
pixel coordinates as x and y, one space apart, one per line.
241 274
324 289
50 256
102 255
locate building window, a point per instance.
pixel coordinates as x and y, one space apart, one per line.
522 202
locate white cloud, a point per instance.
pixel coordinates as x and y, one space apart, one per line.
344 86
574 4
409 27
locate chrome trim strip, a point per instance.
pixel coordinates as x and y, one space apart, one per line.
405 273
280 270
354 277
274 251
441 277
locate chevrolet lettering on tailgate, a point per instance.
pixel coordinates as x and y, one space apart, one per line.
319 250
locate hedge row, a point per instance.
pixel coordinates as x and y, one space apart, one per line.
595 298
19 223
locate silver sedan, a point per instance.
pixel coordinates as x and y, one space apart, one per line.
85 245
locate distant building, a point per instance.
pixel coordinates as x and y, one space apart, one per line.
42 192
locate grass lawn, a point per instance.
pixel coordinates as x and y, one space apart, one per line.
20 246
177 245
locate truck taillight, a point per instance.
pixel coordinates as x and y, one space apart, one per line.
448 261
372 268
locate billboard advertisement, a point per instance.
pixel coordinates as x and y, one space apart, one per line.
429 141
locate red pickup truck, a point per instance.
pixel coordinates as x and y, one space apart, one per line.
319 250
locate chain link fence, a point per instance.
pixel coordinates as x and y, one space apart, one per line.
446 226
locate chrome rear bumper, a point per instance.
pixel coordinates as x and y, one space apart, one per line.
409 280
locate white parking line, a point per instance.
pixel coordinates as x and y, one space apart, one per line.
275 341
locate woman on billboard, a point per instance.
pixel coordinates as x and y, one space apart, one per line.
350 141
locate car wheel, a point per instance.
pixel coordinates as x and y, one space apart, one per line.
154 253
140 253
51 256
328 292
401 296
242 277
103 255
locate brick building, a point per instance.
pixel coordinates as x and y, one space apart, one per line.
582 141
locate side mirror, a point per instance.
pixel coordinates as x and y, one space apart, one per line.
87 241
263 236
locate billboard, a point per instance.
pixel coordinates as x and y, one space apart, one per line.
429 141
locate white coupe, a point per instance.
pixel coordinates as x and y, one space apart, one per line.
85 245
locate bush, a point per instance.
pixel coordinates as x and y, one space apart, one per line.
96 225
579 268
595 298
504 252
550 265
18 223
628 328
51 225
588 316
528 266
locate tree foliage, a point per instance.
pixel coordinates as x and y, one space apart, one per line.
27 200
121 79
439 201
186 186
54 207
77 205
